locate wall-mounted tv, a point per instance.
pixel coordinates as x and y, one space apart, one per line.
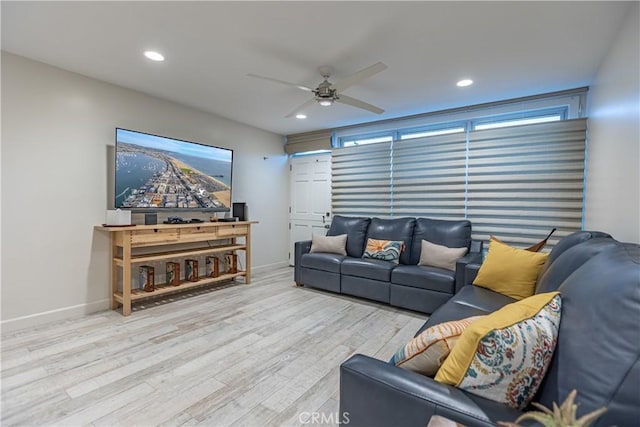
158 173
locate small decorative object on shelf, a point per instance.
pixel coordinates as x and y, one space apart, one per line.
146 278
231 261
191 270
173 273
212 266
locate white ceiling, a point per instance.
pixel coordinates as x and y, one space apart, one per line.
510 49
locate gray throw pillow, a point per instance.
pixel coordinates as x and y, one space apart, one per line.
329 244
433 255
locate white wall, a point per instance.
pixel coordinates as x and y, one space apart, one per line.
613 178
57 148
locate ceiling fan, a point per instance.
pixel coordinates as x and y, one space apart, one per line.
327 93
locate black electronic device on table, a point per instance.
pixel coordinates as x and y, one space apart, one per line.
232 219
196 220
175 220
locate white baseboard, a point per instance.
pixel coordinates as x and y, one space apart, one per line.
37 319
31 320
269 267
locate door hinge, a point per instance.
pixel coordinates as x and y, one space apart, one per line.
289 226
290 168
289 209
289 255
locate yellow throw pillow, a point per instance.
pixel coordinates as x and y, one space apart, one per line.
510 271
505 355
426 352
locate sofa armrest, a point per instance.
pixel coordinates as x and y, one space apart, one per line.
375 393
474 256
470 272
301 248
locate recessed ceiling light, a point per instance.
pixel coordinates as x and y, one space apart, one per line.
464 83
301 116
154 56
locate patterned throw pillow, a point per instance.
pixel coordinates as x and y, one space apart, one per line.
505 355
386 250
425 353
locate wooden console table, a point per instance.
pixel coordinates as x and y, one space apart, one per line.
156 239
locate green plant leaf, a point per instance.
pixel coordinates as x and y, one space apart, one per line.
544 419
568 408
587 419
542 408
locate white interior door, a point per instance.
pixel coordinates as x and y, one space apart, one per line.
310 204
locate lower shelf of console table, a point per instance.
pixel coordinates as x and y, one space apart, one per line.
152 242
139 294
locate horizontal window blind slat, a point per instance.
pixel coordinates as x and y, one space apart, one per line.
524 186
525 222
515 213
528 158
537 177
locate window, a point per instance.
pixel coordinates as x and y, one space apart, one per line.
434 132
363 140
514 182
524 118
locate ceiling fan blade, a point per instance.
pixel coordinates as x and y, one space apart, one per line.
344 99
301 107
359 76
302 87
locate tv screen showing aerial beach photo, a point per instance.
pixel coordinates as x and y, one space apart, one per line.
153 172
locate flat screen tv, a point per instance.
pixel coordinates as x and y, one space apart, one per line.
157 173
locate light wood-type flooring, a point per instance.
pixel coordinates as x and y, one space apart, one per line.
263 354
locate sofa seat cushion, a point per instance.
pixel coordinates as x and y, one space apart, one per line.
469 301
368 268
424 277
322 261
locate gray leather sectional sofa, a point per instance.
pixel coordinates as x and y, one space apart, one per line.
597 353
406 284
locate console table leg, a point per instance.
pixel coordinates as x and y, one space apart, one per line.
114 272
247 253
126 274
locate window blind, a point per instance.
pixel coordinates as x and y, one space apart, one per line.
428 178
361 180
308 141
525 180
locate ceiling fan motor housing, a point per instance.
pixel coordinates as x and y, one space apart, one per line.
324 91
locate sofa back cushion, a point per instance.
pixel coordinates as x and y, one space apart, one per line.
356 230
556 272
568 242
598 347
394 229
452 234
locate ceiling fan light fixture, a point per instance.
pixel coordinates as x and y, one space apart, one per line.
326 102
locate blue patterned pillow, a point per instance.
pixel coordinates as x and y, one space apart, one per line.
386 250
